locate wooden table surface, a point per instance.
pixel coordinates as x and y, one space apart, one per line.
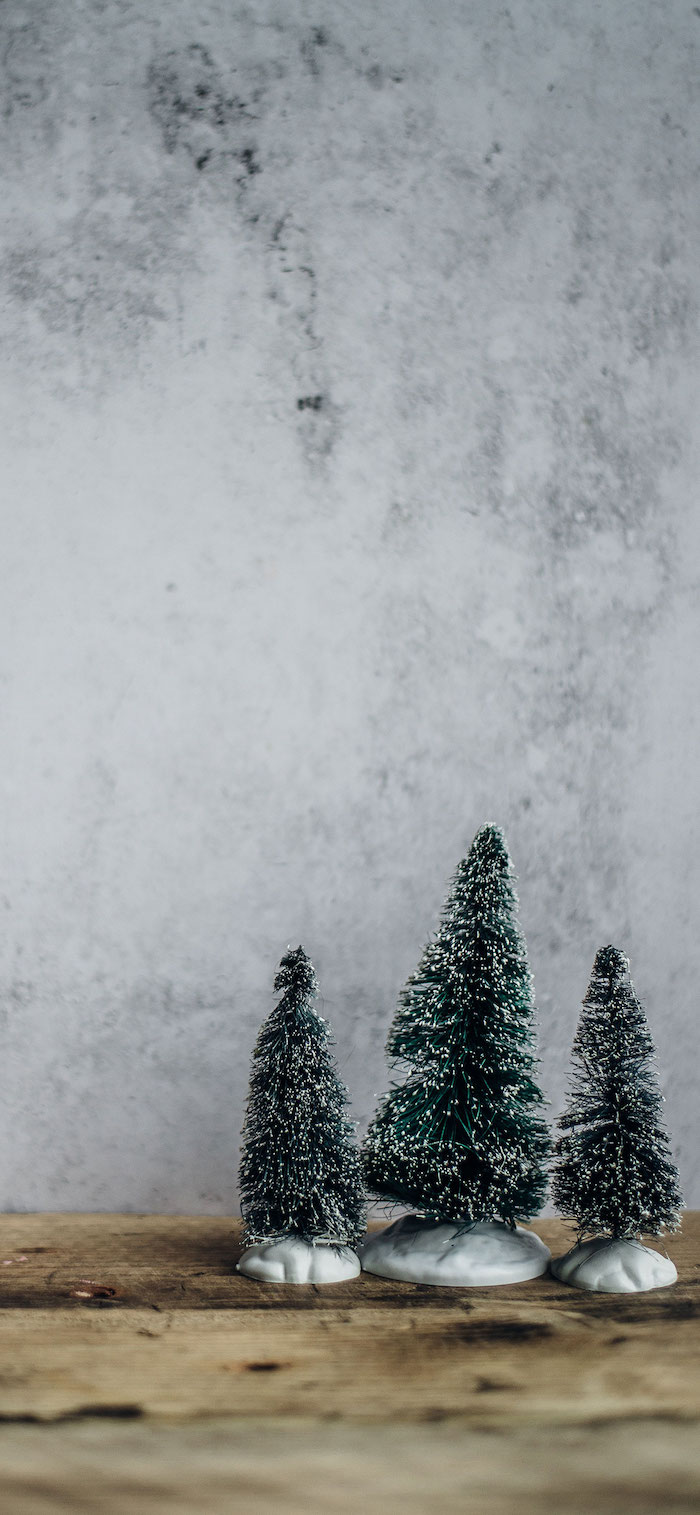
139 1373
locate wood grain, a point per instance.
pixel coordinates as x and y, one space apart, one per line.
184 1262
223 1467
144 1316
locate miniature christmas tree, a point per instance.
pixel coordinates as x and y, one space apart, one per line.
462 1139
613 1168
300 1172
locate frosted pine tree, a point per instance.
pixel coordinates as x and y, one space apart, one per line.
613 1168
462 1137
300 1172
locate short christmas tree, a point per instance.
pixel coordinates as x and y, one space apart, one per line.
613 1168
462 1139
300 1173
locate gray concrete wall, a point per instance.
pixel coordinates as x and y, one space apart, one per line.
349 498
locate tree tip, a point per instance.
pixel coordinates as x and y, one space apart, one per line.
490 841
610 962
296 971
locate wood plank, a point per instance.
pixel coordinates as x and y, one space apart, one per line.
163 1344
492 1364
264 1468
113 1262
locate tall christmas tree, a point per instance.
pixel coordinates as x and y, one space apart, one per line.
462 1139
613 1168
300 1172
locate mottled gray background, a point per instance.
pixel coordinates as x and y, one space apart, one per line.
350 418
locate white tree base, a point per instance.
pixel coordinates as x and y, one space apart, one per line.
431 1252
608 1266
293 1261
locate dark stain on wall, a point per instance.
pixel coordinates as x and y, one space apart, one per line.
310 47
25 69
204 115
249 161
198 111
